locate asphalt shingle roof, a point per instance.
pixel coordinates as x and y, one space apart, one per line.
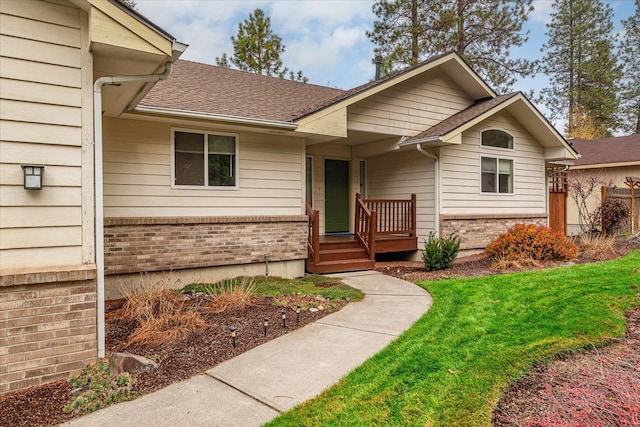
620 149
477 109
209 89
205 88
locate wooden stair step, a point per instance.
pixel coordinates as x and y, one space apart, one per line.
342 254
343 266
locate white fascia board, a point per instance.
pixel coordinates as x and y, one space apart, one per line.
168 112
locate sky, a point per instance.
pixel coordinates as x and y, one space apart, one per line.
326 39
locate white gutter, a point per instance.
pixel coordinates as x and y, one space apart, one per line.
99 190
421 140
436 184
215 117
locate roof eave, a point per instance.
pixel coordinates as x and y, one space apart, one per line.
401 77
186 114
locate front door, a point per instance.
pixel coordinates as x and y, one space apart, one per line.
336 187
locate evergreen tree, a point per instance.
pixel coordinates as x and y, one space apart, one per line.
223 61
481 31
257 49
630 57
129 3
581 66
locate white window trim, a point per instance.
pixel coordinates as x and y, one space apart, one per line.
366 177
488 147
204 187
513 175
309 156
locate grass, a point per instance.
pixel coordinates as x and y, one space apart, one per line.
451 367
276 286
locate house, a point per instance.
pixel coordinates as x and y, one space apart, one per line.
210 172
607 161
51 54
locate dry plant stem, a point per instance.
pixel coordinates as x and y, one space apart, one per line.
231 294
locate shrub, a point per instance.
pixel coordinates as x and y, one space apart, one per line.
537 242
439 252
160 311
145 302
230 293
596 247
96 388
167 328
613 213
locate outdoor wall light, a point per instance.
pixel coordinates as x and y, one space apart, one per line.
33 176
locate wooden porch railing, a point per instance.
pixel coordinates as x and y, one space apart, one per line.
365 227
395 217
313 240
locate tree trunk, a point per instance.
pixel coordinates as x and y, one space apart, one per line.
415 51
460 12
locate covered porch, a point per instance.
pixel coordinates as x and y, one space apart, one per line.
380 226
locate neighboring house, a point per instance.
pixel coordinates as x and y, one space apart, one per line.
207 174
606 160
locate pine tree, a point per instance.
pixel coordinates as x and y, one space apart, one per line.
129 3
481 31
579 60
630 57
257 49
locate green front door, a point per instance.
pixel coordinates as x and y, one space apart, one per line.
336 187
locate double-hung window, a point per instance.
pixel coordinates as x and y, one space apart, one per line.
497 175
203 159
496 172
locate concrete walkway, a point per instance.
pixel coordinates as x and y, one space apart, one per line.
254 387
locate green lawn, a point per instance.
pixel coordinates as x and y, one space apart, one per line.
274 286
451 367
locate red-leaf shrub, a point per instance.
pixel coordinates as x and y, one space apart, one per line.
532 241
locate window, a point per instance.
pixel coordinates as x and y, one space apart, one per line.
497 139
309 179
497 175
204 159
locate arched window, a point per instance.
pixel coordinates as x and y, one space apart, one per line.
497 139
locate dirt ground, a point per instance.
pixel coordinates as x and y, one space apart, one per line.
42 405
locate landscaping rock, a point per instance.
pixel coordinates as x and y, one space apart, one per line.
313 309
131 363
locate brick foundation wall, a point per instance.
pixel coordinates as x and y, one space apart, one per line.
476 232
47 325
159 244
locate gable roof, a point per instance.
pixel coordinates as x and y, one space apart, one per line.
453 64
203 88
213 90
608 151
450 130
454 122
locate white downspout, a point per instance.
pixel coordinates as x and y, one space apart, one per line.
99 190
436 173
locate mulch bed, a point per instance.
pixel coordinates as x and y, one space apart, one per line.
600 387
202 350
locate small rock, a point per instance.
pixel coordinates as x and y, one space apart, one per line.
131 363
313 309
321 308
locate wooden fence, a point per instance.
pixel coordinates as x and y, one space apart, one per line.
631 197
